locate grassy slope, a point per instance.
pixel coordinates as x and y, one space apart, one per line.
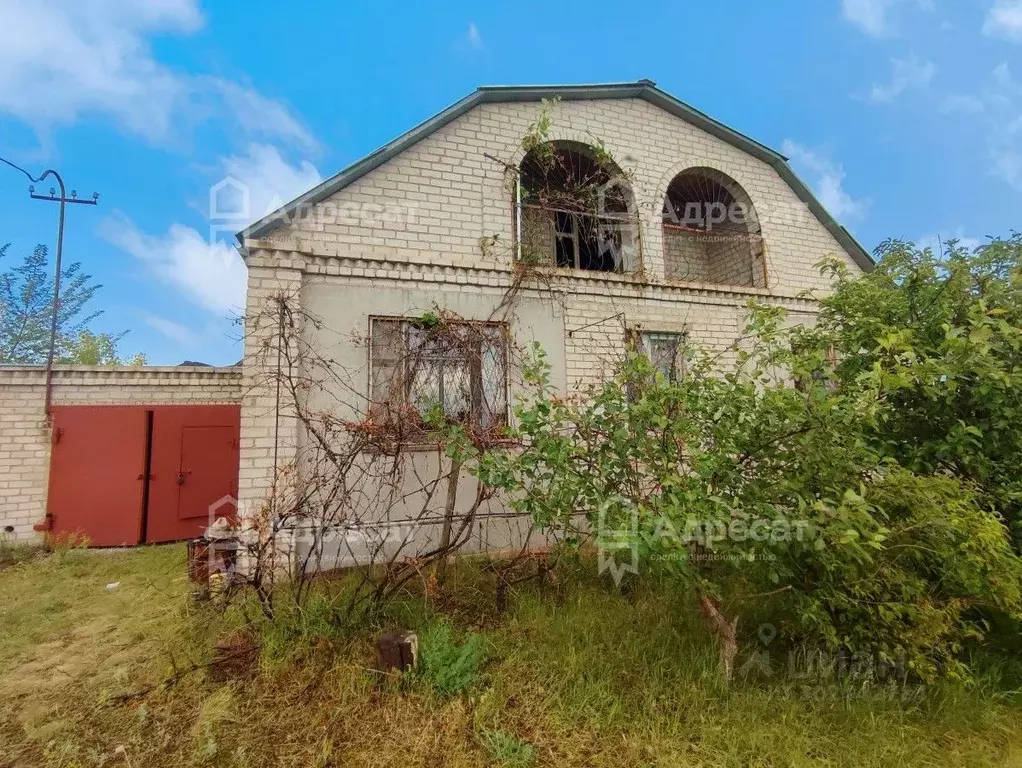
583 675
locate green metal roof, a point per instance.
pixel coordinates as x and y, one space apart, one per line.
643 89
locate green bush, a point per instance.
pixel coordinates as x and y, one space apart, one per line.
809 465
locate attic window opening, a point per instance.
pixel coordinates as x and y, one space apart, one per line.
574 209
711 231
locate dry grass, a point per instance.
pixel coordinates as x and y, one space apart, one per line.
574 676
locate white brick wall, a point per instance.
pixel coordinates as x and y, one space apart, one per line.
25 436
447 196
266 438
417 223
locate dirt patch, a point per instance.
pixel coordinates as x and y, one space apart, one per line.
235 658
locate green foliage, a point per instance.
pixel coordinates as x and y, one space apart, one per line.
26 311
537 135
90 348
508 751
941 334
429 320
446 665
778 468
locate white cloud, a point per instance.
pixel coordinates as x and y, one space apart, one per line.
905 74
204 267
474 38
1006 163
61 61
271 180
938 242
874 16
175 332
963 104
1002 77
211 275
1004 126
259 116
1004 20
827 180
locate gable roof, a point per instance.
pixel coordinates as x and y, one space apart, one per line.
643 89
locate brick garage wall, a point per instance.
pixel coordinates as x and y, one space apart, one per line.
25 436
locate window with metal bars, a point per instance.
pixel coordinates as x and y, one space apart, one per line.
572 211
456 370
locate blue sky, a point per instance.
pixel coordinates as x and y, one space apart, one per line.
905 116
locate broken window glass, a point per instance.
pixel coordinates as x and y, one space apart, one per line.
572 209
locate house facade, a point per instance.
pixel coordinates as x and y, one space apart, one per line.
575 218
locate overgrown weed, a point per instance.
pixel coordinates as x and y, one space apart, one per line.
575 673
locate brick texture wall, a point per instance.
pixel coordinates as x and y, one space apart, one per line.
720 257
440 217
434 203
25 437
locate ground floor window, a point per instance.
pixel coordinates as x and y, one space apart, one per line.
458 370
666 352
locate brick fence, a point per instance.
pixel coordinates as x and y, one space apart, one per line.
25 436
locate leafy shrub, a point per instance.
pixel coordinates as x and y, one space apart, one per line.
942 333
445 665
782 468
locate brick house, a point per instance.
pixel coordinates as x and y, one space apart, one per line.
639 217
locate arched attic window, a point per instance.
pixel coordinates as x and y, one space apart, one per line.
711 232
574 209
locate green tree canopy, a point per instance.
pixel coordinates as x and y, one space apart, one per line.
945 332
26 311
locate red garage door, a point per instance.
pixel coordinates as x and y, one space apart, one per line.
96 469
122 475
194 467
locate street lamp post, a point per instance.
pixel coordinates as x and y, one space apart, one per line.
55 316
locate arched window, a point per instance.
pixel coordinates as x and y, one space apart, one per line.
711 232
574 209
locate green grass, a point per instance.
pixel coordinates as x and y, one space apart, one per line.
573 674
446 665
12 552
508 751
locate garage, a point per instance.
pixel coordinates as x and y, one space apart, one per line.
125 475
